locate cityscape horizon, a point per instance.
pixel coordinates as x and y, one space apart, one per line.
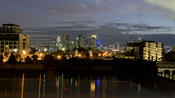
87 49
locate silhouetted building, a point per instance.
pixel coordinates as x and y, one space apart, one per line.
147 50
12 40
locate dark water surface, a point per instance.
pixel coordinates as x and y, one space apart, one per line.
76 87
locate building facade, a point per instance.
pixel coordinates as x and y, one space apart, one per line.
93 42
12 40
66 41
146 50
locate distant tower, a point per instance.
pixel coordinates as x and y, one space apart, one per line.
66 41
117 46
58 43
93 41
81 42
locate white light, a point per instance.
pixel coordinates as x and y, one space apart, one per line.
45 49
94 36
15 50
24 52
63 49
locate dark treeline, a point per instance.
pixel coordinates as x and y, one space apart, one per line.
137 70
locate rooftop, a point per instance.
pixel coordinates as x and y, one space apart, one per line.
10 25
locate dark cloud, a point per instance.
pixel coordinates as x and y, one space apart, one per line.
108 33
111 20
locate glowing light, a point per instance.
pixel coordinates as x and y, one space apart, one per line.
41 54
15 50
24 37
45 49
105 53
79 55
98 82
94 36
24 52
63 49
98 41
59 56
99 54
91 55
92 86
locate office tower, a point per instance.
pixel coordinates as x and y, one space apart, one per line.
58 43
93 41
66 41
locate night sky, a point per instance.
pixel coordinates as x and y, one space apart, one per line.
111 20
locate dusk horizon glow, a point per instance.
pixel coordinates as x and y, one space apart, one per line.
136 17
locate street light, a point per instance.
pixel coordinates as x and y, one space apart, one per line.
63 49
24 52
99 54
79 55
59 57
45 49
41 54
91 55
92 86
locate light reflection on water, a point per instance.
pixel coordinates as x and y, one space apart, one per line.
62 87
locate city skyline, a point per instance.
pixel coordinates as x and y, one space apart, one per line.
87 48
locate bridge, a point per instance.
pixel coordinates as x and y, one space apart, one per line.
166 69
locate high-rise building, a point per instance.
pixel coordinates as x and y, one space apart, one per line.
58 43
13 40
93 41
81 42
66 41
147 50
115 47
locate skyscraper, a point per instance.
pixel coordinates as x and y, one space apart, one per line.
58 43
66 41
93 41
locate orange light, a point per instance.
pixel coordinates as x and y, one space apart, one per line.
41 54
24 37
59 56
79 55
99 54
24 52
92 86
91 55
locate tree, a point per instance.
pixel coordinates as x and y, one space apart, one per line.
1 59
35 57
28 60
12 59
